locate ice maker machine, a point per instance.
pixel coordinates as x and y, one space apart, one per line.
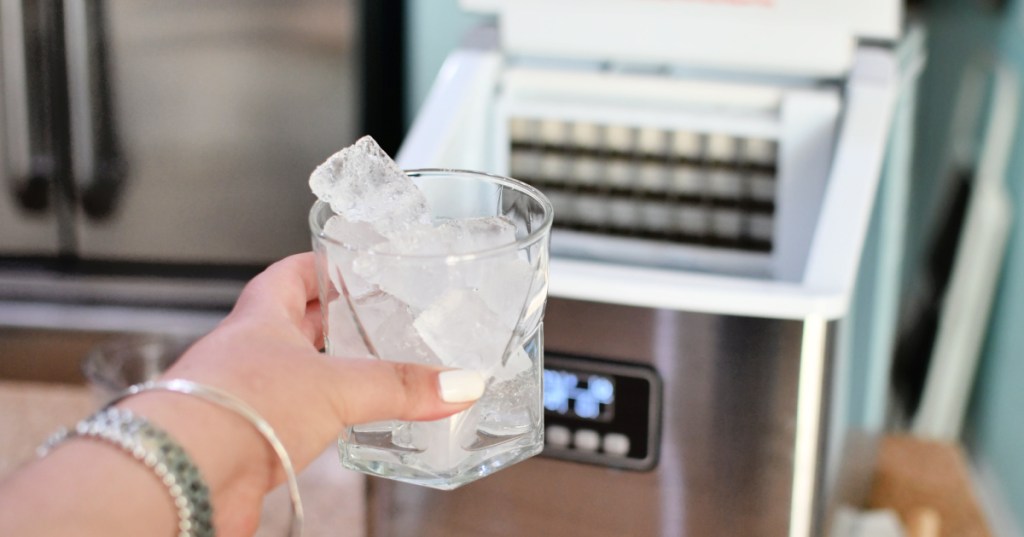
713 168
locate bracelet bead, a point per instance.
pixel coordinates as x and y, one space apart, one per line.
160 453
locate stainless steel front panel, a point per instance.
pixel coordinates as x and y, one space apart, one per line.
727 445
23 233
223 109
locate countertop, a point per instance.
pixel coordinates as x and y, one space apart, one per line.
333 497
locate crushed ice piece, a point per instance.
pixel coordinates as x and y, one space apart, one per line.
509 407
363 184
463 331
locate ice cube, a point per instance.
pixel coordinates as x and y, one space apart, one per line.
463 331
346 239
397 341
416 282
508 412
511 404
363 184
445 440
343 337
352 234
388 323
502 283
518 362
468 235
535 300
396 267
451 236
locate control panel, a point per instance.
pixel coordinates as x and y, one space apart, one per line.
601 411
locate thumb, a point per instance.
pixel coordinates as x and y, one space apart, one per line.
374 390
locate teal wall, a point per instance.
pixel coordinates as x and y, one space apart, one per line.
958 30
961 31
997 415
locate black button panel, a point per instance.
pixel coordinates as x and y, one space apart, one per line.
602 412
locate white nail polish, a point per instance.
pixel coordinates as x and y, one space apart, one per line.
460 385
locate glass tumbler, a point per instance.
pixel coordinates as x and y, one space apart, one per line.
458 302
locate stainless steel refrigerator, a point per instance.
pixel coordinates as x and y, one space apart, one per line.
159 140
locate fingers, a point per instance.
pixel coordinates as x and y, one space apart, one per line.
284 289
373 390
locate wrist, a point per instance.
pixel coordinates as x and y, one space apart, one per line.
233 459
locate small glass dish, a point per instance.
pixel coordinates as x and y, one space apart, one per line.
114 365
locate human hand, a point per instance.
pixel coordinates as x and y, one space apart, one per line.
266 353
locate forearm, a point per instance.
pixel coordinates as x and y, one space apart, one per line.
90 487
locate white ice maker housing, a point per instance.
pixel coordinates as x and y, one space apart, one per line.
826 144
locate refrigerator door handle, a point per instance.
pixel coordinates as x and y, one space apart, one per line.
26 171
99 167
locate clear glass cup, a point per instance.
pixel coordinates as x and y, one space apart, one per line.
481 308
114 365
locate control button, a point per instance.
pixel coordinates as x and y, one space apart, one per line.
616 444
557 436
586 440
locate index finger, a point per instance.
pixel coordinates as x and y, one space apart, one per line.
284 288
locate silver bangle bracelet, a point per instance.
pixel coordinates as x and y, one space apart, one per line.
160 453
236 405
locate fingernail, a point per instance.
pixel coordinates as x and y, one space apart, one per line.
460 385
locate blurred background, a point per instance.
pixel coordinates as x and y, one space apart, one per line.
155 156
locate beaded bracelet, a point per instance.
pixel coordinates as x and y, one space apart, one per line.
234 404
165 457
160 453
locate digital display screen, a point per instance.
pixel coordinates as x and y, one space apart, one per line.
579 395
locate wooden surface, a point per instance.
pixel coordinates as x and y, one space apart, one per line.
52 356
30 412
920 479
333 497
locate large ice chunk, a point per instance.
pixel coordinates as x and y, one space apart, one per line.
463 332
363 184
